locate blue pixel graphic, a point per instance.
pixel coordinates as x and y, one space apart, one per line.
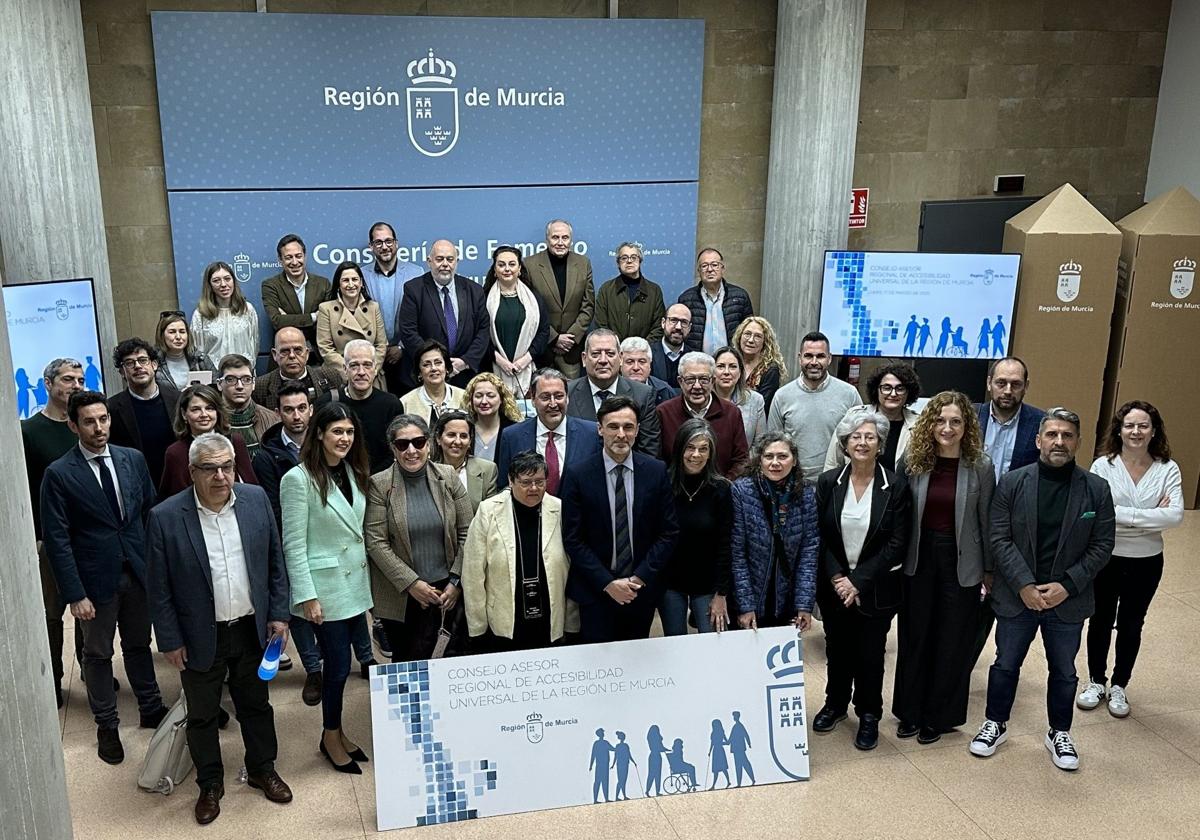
863 336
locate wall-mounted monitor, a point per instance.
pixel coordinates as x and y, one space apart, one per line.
47 321
919 305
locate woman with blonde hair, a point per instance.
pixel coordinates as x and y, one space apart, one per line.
763 362
224 321
948 561
491 407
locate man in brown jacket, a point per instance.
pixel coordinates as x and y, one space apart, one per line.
697 372
563 279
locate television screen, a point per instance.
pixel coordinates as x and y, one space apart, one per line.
918 305
48 321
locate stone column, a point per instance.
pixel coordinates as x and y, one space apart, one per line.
814 121
51 219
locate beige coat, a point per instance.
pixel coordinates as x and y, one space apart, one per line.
338 326
413 404
489 573
386 527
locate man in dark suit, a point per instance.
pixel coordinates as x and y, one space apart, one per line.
290 356
563 441
143 414
602 379
94 504
1053 529
446 307
666 351
218 592
1008 425
636 364
291 297
563 279
616 558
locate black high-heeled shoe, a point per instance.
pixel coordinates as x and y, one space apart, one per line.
350 767
358 755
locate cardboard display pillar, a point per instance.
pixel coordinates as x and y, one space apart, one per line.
1154 354
1065 297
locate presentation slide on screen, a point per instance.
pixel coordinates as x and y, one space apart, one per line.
457 739
48 321
876 303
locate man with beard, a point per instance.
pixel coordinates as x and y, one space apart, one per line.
665 352
385 281
142 414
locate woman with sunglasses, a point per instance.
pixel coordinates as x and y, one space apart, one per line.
323 501
417 519
200 409
180 357
891 389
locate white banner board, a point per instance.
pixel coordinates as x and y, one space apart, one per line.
477 736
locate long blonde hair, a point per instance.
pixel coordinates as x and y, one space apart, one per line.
208 306
921 452
508 403
770 354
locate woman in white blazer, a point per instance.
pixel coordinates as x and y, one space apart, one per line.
1147 492
515 567
517 315
891 389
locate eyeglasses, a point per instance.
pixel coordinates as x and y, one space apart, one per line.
893 389
167 312
237 380
695 380
679 322
136 362
629 258
213 469
291 351
710 266
402 444
382 243
530 483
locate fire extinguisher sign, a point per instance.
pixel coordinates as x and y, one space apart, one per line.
858 207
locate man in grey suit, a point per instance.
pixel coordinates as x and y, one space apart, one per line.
602 364
218 592
563 279
1053 528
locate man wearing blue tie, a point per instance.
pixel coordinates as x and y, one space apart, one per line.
616 559
95 500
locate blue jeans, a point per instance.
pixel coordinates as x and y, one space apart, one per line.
673 610
310 652
335 639
1013 638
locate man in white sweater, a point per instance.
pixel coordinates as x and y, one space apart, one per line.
809 407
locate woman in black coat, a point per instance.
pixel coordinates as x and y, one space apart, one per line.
863 510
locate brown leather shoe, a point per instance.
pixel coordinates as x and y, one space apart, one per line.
208 805
273 787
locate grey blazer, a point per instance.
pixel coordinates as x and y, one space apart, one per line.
1084 546
481 480
972 501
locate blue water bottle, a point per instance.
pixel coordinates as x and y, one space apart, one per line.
269 667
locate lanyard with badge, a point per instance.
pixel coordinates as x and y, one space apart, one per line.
531 598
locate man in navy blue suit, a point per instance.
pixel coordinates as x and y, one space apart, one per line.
616 558
94 503
447 307
563 441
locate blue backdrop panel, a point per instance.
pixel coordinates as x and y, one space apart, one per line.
243 227
280 100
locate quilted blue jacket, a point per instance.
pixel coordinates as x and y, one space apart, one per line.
752 546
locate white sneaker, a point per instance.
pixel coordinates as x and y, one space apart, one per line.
990 736
1062 750
1118 704
1091 696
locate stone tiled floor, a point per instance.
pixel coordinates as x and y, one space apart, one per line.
1139 776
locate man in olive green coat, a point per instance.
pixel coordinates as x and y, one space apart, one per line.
629 304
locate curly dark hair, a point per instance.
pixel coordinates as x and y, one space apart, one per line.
902 371
1160 449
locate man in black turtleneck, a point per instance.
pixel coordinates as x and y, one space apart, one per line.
563 280
1053 528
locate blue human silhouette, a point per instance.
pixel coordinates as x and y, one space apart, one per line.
22 379
998 332
739 743
944 338
654 741
622 758
716 751
601 752
985 337
960 344
925 333
41 397
91 376
679 766
910 335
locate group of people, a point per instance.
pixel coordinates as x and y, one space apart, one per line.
664 469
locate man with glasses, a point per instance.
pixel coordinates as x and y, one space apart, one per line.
444 306
630 304
563 279
717 306
385 281
142 414
666 352
290 356
291 297
375 408
697 371
562 440
235 380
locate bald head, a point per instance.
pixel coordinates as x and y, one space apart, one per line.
290 352
676 325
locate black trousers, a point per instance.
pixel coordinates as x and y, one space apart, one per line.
604 620
55 608
238 653
1124 589
415 638
854 646
937 636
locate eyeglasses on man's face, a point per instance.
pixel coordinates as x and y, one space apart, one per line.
136 362
232 380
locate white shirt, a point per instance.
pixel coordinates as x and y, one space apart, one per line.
856 520
91 457
611 483
1140 521
596 389
299 288
560 440
226 560
672 354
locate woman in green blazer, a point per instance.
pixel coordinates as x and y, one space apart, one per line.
323 500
